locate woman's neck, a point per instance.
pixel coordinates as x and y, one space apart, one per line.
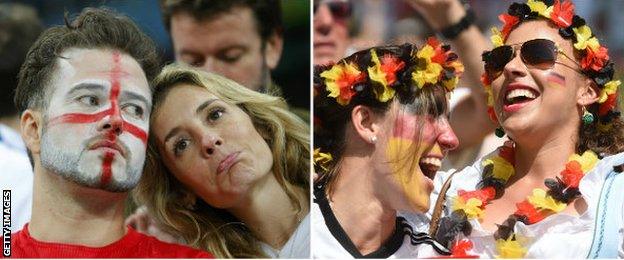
365 217
545 159
269 213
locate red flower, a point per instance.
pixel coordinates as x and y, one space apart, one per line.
460 247
390 65
492 115
527 210
572 174
508 154
607 105
485 79
562 13
509 21
439 54
595 60
484 195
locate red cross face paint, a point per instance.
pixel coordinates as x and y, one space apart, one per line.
96 122
412 151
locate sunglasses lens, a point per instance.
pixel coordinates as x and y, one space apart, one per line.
340 9
539 53
496 60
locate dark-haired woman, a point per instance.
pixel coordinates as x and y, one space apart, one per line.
381 130
554 189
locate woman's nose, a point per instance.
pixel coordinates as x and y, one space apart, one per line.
210 143
446 137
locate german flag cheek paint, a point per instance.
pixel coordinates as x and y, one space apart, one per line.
555 80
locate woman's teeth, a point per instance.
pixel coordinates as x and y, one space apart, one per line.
431 161
519 94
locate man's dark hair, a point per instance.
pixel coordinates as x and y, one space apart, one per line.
19 28
94 28
267 13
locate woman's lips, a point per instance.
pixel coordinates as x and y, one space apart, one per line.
517 96
227 162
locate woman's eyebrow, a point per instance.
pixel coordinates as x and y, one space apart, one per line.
204 105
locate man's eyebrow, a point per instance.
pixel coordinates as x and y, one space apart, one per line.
86 86
133 95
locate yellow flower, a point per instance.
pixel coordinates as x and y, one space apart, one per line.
429 75
321 159
490 96
609 89
377 74
588 160
541 200
540 7
510 248
339 80
426 52
584 38
451 83
472 207
502 168
496 38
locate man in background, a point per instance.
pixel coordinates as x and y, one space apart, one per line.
239 39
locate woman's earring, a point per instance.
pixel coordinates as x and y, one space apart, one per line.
373 139
499 132
588 117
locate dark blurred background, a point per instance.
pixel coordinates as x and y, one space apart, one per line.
292 73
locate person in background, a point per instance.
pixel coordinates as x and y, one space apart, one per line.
239 39
19 28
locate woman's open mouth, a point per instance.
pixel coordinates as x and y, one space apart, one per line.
430 166
517 97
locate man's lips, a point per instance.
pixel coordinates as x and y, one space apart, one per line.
227 162
108 144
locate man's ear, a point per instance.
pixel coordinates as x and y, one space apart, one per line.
30 126
273 50
589 93
365 122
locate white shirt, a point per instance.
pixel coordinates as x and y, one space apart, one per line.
557 236
335 243
297 246
16 175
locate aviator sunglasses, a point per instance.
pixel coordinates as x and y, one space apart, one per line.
338 9
538 53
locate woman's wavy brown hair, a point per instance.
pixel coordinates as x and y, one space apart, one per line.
205 227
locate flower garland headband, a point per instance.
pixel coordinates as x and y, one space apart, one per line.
434 63
595 62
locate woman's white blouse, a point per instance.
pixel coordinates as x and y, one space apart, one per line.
557 236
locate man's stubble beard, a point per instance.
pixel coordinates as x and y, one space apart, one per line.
66 163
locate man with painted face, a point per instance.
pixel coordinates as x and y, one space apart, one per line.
84 99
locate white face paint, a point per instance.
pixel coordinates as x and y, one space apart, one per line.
97 119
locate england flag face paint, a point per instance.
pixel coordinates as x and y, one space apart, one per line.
97 118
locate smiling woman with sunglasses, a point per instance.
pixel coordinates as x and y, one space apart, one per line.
554 189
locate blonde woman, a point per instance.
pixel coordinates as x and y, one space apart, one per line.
227 168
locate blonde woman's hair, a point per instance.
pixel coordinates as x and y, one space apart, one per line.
202 226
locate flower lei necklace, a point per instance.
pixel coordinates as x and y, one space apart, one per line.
497 170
